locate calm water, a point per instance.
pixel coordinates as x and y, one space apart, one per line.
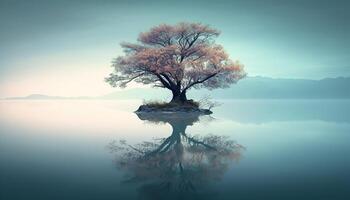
248 149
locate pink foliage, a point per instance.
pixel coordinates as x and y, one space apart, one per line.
176 57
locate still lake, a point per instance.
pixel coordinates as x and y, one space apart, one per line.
71 149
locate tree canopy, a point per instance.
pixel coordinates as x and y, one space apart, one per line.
176 57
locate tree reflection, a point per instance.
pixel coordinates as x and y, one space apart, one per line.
176 166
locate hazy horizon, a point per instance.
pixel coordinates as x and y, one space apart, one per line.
257 87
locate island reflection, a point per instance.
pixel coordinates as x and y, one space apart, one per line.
180 166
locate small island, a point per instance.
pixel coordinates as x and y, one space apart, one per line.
178 58
189 106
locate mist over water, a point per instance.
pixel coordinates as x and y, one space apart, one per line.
280 149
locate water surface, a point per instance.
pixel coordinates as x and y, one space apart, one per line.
280 149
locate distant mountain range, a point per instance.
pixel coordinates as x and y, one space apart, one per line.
248 88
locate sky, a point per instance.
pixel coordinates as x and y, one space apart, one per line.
66 47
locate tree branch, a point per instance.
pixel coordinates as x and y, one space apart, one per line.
163 81
133 78
200 81
171 83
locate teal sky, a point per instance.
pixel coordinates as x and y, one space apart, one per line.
65 47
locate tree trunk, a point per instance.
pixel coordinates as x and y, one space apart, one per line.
178 97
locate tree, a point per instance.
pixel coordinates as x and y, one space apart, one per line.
178 58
